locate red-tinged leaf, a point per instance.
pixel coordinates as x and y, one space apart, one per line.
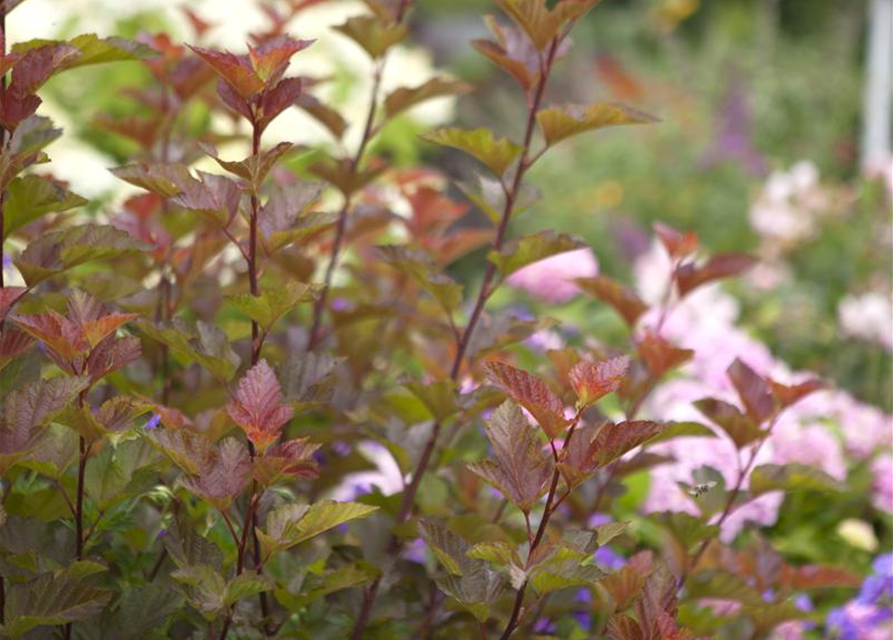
38 65
574 463
689 277
521 469
504 58
278 99
13 343
257 406
223 475
286 461
112 354
787 395
660 355
340 173
234 101
813 576
541 22
612 441
739 427
236 71
373 34
26 412
253 169
623 299
623 627
565 121
498 154
677 244
8 297
59 251
531 393
93 318
165 180
60 334
328 117
213 195
754 391
271 58
406 98
592 381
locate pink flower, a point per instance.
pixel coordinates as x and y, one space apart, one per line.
882 468
551 280
793 630
812 445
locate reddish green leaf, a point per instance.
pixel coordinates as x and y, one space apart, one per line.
222 475
689 276
592 381
531 393
521 252
611 292
677 244
521 469
406 98
754 391
286 461
660 355
373 34
236 71
257 406
739 427
272 57
8 297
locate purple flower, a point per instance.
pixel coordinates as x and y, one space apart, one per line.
878 586
609 558
154 421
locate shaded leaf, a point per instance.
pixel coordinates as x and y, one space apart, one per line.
373 34
739 427
689 276
31 197
405 98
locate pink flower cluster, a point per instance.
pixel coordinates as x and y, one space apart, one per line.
820 431
552 280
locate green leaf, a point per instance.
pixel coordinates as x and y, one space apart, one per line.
31 197
489 197
438 397
687 529
405 98
50 599
292 524
245 586
341 578
207 345
684 430
96 50
204 587
373 34
561 122
791 477
497 154
524 251
544 582
449 548
273 303
59 251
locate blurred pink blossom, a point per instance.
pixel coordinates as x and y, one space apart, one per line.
867 317
813 445
882 468
551 280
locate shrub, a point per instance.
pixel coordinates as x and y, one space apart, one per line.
260 402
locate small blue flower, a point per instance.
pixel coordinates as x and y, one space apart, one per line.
154 421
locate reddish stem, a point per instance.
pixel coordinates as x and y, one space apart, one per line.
409 494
